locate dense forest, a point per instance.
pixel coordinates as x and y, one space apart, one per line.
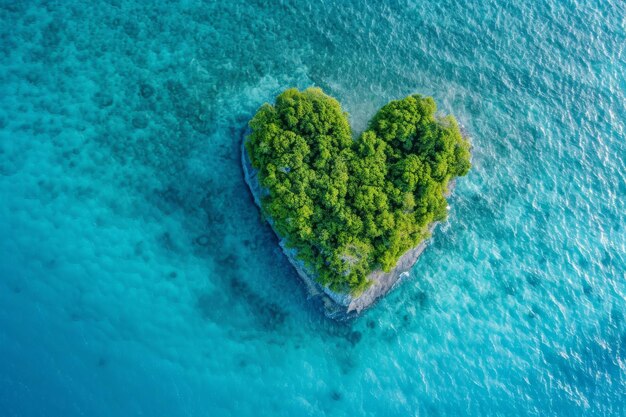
352 205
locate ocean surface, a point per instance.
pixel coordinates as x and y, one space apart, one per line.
138 279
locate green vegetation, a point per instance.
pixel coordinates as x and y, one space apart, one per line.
351 206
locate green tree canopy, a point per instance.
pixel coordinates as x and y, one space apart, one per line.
350 206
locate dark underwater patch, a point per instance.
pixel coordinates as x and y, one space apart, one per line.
533 279
168 199
140 121
335 395
102 99
188 109
534 312
146 90
354 337
267 313
167 242
420 298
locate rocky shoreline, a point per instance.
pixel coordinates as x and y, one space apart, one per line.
336 305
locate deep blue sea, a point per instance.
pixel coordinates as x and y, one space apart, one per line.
138 279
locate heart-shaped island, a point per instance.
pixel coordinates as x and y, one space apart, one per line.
352 214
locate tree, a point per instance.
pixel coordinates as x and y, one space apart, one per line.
351 206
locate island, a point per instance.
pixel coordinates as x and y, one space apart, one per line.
352 213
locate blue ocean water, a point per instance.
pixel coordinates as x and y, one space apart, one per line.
136 275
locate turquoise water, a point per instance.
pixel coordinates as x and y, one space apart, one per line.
136 276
